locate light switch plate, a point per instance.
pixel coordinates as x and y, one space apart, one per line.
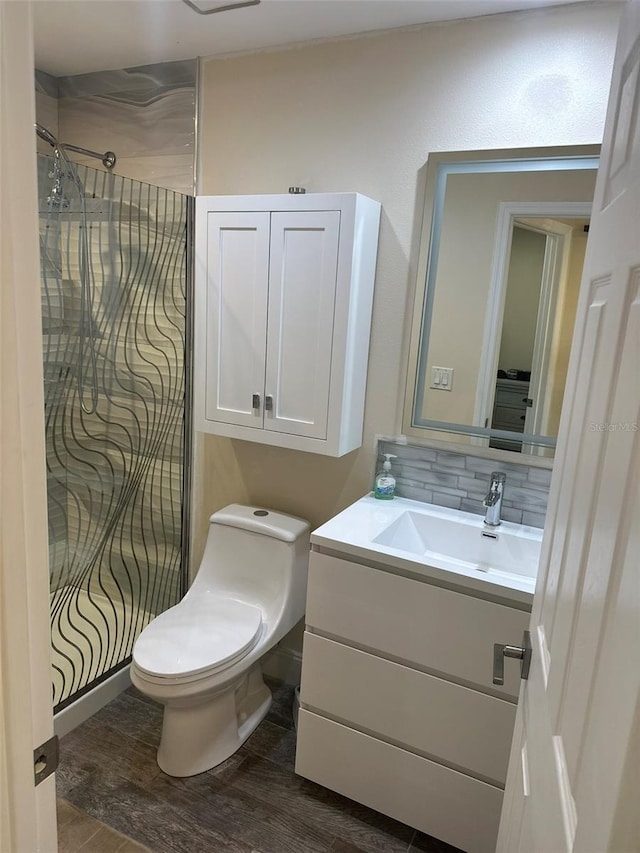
442 378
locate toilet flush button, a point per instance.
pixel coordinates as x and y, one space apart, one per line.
261 512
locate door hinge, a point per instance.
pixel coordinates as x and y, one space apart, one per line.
45 759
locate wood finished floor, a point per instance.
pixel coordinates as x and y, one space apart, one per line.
112 792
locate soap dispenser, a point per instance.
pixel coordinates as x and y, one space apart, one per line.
385 486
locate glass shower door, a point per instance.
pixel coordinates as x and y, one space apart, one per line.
114 305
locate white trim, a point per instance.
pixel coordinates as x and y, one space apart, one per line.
89 704
507 212
556 262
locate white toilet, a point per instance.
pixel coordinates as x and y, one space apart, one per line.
200 659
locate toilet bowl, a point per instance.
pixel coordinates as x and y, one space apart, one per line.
201 658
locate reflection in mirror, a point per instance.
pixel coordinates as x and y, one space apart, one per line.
501 262
542 285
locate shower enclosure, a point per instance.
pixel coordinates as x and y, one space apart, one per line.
115 326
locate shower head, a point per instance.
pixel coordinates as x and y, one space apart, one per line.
45 134
108 158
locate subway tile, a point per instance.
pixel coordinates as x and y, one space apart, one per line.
533 519
450 501
433 478
451 460
487 466
469 505
540 476
411 468
409 451
518 477
509 513
415 494
473 487
528 498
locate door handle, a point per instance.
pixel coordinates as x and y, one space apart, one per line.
268 403
255 401
521 653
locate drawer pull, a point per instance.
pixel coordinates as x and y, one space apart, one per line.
521 653
255 401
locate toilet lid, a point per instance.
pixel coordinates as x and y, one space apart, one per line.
198 634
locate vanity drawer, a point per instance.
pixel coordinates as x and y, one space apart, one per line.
511 419
468 729
434 799
509 396
413 622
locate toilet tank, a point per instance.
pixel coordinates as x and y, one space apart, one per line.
259 556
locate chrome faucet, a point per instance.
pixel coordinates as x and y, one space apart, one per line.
493 499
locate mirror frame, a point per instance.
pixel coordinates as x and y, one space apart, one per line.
439 165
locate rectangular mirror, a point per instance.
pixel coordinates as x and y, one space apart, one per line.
501 258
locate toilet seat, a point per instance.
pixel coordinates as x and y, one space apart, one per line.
199 636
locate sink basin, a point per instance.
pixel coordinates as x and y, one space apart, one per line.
450 546
463 539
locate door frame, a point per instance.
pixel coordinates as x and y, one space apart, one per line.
508 212
27 811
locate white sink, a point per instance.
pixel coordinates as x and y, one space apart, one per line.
448 545
460 538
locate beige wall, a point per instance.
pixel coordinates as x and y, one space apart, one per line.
526 264
362 114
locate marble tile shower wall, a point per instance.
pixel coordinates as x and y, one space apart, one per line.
47 93
460 481
146 115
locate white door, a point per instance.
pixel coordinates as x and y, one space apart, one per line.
235 280
302 290
27 811
573 773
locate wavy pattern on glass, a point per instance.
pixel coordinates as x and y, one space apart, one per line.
114 339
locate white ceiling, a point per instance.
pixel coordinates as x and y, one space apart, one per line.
79 36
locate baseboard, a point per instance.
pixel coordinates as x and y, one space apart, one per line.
85 707
284 664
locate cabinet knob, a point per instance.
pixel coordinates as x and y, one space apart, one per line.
528 401
255 401
268 403
522 417
521 653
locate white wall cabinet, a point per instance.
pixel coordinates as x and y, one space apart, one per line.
398 708
284 292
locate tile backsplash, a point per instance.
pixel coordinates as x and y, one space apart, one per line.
461 480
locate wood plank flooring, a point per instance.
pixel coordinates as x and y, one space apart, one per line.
112 792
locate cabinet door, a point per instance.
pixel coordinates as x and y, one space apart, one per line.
302 291
237 289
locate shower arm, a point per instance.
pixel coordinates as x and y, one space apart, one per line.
108 158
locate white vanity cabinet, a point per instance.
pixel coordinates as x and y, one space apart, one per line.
284 291
398 709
